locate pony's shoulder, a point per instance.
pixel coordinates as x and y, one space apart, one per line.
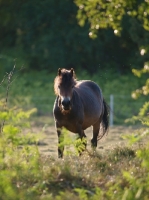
85 83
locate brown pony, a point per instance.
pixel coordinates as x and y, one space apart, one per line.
79 105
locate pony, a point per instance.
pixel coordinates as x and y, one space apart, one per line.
79 105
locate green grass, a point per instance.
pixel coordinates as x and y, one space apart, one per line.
25 173
35 89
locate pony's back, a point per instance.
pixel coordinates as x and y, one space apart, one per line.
91 99
91 96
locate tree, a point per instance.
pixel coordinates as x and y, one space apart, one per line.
46 35
129 20
102 14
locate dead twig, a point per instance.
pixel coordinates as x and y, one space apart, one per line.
8 76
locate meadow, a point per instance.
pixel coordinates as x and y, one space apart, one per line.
29 167
35 89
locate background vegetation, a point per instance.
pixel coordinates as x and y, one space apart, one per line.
47 35
35 89
102 40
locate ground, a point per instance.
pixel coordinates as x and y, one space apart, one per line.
48 136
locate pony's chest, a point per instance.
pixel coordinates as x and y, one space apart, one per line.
67 121
70 125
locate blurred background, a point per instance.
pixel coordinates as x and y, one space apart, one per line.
103 42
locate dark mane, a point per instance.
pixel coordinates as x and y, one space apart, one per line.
65 78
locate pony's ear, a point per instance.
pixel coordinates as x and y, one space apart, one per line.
72 71
59 71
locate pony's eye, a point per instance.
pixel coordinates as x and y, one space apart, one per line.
58 86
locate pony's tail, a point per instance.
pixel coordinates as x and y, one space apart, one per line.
105 120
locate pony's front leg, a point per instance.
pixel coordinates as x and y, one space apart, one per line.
60 141
81 147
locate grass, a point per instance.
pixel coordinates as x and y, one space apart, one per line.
35 89
25 173
86 177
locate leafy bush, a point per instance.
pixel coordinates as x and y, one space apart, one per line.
19 162
142 115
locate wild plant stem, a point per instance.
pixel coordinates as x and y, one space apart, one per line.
9 76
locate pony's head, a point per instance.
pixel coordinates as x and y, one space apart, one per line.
63 87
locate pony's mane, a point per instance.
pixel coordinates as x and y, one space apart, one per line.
65 77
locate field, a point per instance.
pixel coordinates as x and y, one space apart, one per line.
48 143
33 170
30 169
111 173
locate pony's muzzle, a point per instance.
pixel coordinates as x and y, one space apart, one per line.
66 103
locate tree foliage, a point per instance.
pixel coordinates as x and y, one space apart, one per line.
103 14
127 18
46 34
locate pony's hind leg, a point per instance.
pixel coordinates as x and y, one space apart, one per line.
96 128
84 140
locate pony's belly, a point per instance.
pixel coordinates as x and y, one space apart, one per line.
85 126
71 128
71 125
90 122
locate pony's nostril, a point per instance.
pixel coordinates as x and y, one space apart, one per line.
66 102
